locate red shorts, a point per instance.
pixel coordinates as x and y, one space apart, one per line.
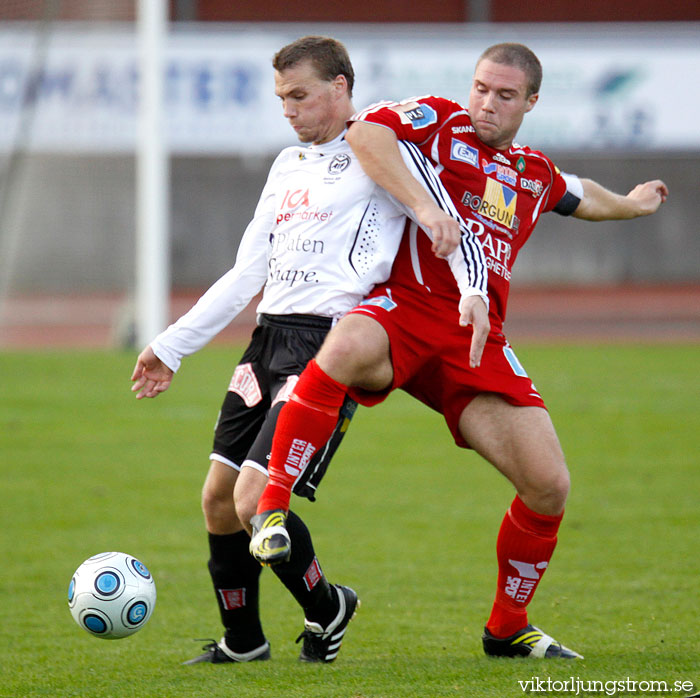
430 356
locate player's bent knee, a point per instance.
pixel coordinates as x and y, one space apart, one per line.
548 495
346 352
356 350
558 493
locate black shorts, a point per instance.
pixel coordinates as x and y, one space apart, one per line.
263 380
279 349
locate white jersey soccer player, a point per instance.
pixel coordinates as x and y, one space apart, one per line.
322 236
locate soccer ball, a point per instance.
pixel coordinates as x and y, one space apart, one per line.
111 595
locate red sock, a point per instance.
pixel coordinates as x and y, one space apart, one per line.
525 545
305 423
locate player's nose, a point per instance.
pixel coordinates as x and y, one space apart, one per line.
487 103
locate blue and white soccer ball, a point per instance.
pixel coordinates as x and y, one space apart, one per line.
111 595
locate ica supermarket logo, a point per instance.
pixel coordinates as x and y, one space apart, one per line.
299 208
292 199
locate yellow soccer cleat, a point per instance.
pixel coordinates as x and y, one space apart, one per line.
528 642
269 542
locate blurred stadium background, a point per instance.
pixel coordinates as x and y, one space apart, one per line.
619 103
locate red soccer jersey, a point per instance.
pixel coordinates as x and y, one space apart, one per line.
500 194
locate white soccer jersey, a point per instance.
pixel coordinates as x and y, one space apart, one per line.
322 236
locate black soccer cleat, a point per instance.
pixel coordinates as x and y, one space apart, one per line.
218 653
269 541
323 645
528 642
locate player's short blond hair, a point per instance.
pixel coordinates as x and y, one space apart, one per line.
519 56
328 56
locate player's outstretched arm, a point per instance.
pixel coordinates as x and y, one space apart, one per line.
151 376
473 311
600 204
376 148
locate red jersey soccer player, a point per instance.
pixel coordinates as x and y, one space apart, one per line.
406 334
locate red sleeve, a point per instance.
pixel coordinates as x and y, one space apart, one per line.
415 119
558 189
539 174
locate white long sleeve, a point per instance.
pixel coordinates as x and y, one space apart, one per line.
226 297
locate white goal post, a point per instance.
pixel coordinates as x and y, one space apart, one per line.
152 177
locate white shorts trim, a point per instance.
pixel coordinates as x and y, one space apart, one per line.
255 465
224 461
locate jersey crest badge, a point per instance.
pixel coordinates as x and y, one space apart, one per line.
339 164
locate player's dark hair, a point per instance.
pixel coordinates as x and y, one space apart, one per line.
519 56
328 56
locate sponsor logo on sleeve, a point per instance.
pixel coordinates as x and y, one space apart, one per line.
418 115
464 153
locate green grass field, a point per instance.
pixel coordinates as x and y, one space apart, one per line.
404 517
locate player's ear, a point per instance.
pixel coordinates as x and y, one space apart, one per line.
340 85
531 101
